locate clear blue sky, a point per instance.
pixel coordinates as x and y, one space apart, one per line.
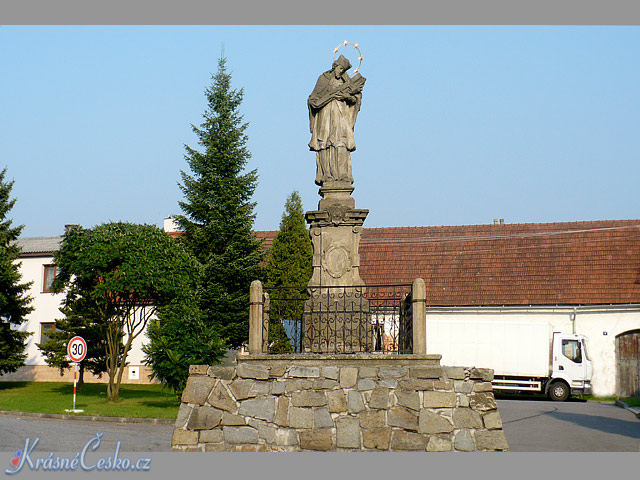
459 124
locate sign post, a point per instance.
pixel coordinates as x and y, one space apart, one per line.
77 350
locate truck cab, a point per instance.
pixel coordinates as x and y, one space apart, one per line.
571 368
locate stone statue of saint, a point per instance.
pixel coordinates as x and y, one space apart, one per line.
333 108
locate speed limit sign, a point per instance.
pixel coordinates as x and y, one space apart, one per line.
77 349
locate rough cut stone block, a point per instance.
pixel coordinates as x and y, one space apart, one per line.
403 418
392 372
223 373
241 389
354 402
260 388
463 400
402 441
263 408
322 418
366 384
464 441
237 435
277 371
388 383
425 372
184 437
430 422
348 377
221 399
211 436
246 370
466 418
230 419
265 431
482 401
378 438
461 386
249 448
215 447
324 384
293 385
304 372
286 437
204 418
308 398
483 387
316 439
367 372
454 373
491 440
416 384
373 419
336 401
183 416
197 389
379 398
437 444
439 399
282 412
446 385
492 420
300 417
408 399
277 388
330 372
198 369
348 432
486 374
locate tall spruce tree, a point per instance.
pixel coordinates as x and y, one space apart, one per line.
289 265
14 301
218 212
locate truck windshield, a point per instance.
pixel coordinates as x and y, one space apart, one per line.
571 349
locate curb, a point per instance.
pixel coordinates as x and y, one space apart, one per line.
635 411
92 418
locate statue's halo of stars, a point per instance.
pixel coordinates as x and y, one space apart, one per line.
354 45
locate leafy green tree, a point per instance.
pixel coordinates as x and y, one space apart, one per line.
218 212
15 304
126 273
289 265
82 318
179 338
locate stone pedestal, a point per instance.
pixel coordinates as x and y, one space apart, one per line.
337 314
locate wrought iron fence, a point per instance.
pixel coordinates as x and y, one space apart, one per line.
327 319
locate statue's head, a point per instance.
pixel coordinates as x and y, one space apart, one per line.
341 65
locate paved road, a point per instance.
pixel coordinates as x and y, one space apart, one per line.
71 435
574 426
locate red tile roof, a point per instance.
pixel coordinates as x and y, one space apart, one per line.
572 263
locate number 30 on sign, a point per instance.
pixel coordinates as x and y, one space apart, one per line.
77 349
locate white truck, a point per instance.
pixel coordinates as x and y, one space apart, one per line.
525 356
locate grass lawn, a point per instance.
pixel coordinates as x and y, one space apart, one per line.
150 401
632 401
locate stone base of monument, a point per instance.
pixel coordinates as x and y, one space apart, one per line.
317 402
337 320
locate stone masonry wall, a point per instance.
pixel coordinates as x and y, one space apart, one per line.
362 402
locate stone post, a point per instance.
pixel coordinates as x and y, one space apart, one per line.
419 310
255 317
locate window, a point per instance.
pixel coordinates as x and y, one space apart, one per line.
571 349
45 330
49 275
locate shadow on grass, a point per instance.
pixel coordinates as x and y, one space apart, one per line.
11 385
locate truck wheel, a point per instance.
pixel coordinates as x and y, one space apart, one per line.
559 391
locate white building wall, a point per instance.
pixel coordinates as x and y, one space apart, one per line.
599 324
47 309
